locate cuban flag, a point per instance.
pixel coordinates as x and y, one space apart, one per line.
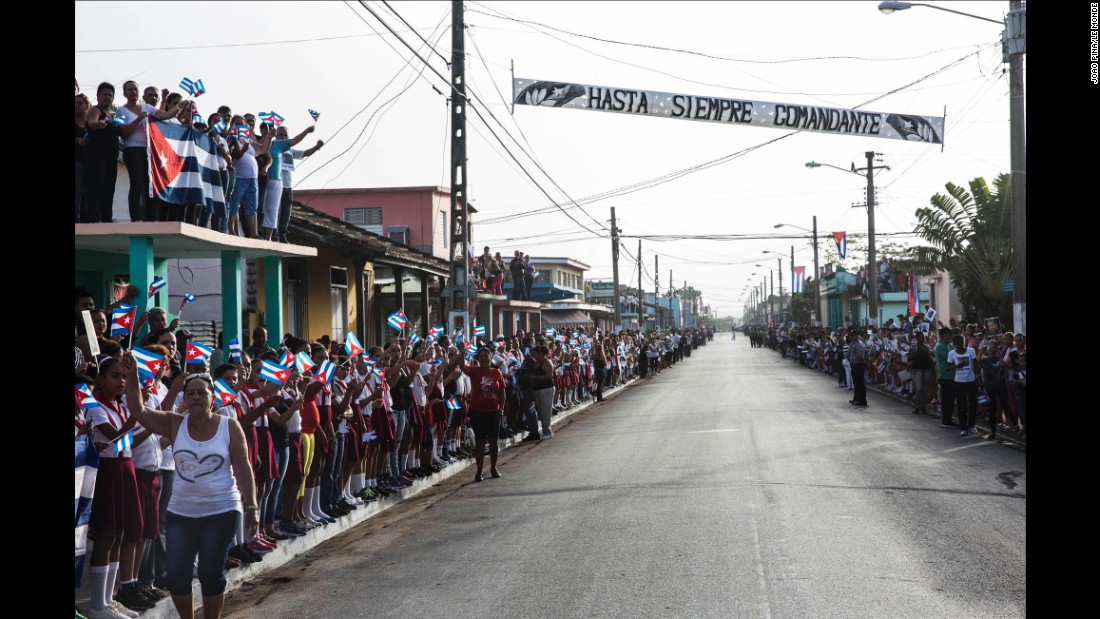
549 332
123 442
117 120
122 319
223 393
87 465
798 279
436 361
841 239
149 364
183 166
240 132
303 363
397 320
479 331
452 404
85 398
379 372
274 372
440 330
352 345
413 339
192 87
197 353
325 372
458 335
196 119
158 284
234 350
287 359
914 293
271 118
187 298
219 127
314 114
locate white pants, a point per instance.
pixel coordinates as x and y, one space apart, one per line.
848 372
273 196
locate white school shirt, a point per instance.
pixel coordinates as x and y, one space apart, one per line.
964 373
147 456
115 414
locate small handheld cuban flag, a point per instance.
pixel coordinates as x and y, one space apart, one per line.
117 120
149 364
84 397
234 350
352 345
452 404
440 330
841 239
272 118
158 283
798 279
187 298
287 359
219 127
458 335
549 332
197 353
122 319
192 87
314 114
123 442
479 331
242 132
326 371
413 339
196 119
397 320
274 372
223 393
302 363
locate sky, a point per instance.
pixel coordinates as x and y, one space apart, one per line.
384 119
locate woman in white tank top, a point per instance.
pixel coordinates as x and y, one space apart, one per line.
212 474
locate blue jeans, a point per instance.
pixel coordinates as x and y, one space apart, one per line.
210 538
154 563
399 420
275 497
530 413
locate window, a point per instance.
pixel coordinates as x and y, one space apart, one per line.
296 297
369 219
443 228
339 292
400 234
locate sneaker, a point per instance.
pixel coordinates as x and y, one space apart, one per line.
973 430
152 592
963 433
547 436
122 611
131 598
242 554
105 613
530 438
259 547
289 530
279 537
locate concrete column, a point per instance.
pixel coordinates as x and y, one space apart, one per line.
426 321
141 274
273 298
231 298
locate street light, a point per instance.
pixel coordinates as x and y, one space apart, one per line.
817 270
1014 46
767 251
872 268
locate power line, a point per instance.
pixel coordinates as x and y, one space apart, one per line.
430 46
220 45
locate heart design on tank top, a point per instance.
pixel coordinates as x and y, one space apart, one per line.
190 467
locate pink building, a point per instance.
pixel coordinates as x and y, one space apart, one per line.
415 216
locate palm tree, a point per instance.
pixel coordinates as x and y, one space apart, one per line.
970 236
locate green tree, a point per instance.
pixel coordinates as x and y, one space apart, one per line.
969 235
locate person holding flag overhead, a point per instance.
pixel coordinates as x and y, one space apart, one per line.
273 194
288 166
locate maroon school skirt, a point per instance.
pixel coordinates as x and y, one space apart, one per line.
149 497
268 467
253 447
116 504
293 478
384 427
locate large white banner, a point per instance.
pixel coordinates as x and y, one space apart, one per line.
752 113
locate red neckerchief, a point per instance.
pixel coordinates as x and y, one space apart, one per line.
119 409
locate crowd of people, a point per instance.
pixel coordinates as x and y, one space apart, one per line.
222 457
958 372
256 163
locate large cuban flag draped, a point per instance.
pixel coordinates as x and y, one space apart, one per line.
798 277
183 166
914 293
841 239
87 464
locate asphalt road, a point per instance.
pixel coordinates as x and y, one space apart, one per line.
734 485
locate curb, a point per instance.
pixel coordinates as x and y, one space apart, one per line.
290 549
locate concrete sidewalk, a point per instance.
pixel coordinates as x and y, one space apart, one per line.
289 549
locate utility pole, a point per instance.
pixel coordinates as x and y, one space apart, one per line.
641 294
817 287
615 273
771 295
872 265
459 287
790 305
780 271
656 288
1014 48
